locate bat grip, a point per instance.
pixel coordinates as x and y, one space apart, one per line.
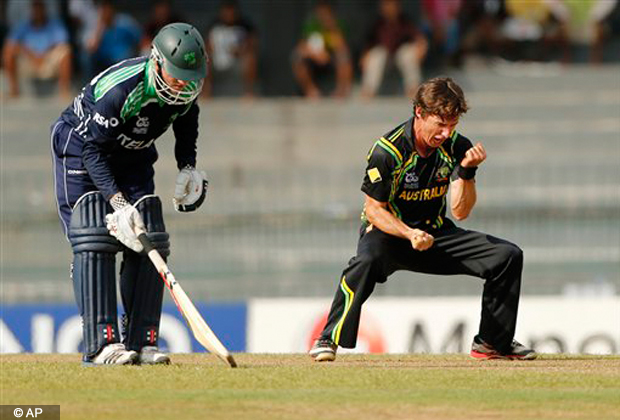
146 242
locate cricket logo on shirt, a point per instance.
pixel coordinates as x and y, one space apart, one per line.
442 174
411 181
142 125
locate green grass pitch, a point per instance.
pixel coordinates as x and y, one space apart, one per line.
354 387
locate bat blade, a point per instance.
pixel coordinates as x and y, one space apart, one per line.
195 321
199 327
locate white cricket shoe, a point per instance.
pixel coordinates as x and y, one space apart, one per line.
150 355
323 350
114 354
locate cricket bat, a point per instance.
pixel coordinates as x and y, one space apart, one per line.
194 320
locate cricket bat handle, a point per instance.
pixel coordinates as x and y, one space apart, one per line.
149 248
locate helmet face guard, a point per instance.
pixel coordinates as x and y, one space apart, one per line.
178 50
164 91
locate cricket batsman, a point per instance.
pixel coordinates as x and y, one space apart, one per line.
103 148
404 226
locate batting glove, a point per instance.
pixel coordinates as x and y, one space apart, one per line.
123 223
190 190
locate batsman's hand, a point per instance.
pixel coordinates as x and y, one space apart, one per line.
474 156
123 223
420 240
190 190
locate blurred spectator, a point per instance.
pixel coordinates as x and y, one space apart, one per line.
232 44
393 37
4 27
589 24
322 49
116 37
83 17
38 47
536 30
441 25
18 11
161 15
480 22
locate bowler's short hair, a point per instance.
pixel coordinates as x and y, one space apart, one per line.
440 96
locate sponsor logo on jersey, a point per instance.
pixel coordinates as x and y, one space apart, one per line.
374 175
129 143
101 120
142 125
77 172
411 181
424 194
77 106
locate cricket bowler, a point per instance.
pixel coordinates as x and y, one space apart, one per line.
404 226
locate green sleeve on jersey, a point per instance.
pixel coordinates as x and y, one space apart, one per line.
114 78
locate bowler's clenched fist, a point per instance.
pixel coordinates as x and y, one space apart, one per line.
420 240
474 156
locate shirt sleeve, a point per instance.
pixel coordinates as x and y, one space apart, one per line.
100 140
60 33
185 129
377 182
18 32
461 145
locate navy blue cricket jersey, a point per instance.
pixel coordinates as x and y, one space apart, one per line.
115 121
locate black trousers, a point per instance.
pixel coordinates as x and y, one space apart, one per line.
455 251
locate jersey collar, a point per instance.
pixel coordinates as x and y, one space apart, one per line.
409 132
410 136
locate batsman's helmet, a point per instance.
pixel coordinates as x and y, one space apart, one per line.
178 49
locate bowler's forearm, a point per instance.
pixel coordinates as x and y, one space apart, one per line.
385 221
462 197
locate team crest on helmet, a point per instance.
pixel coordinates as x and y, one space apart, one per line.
190 58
